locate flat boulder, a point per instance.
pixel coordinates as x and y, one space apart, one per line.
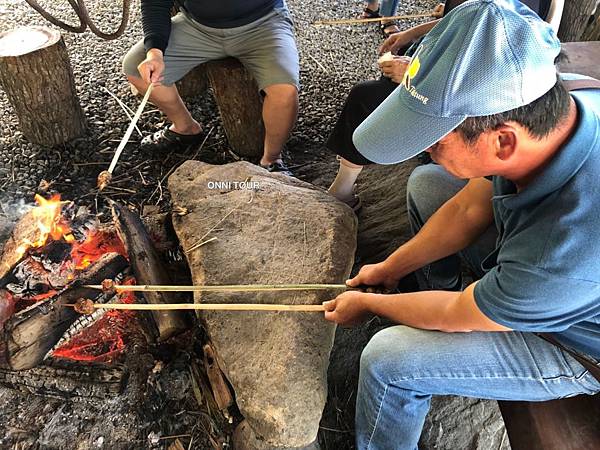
239 224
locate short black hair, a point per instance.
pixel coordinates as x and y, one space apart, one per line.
539 117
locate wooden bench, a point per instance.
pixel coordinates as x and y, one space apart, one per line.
572 423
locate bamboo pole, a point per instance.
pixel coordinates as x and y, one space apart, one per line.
374 19
217 288
203 306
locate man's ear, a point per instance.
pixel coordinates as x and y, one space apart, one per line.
505 141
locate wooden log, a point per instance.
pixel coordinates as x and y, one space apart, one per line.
31 333
148 269
219 386
565 424
240 106
194 83
36 75
67 379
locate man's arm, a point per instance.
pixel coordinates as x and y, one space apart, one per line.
458 223
156 22
398 40
433 310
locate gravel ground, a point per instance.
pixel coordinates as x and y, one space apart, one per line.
332 60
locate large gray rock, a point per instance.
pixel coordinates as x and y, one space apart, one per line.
284 231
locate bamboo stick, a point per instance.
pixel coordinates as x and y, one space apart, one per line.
205 307
374 19
231 287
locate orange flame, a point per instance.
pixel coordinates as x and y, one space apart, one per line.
49 222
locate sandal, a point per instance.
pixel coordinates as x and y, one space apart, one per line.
368 13
384 28
168 140
278 167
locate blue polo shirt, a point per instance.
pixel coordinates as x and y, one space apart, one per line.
544 275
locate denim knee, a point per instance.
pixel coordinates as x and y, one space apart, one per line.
391 346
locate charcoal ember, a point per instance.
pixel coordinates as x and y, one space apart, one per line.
31 278
7 306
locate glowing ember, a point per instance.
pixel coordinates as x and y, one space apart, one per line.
94 246
104 340
50 224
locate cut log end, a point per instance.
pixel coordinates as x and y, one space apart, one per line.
23 40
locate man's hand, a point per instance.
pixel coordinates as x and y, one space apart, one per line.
151 69
347 309
375 275
395 42
395 68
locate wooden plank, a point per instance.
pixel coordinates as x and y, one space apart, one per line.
565 424
583 58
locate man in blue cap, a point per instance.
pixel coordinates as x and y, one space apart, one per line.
482 96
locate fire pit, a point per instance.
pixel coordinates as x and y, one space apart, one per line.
56 249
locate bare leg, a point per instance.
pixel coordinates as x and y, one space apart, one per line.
167 99
342 186
280 109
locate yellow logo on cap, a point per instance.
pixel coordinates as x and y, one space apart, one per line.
411 71
410 74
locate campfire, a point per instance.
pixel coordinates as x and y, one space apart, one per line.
55 251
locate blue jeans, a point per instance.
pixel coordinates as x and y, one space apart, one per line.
387 8
402 367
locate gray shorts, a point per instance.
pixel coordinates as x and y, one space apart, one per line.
266 47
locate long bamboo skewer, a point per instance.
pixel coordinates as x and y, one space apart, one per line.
230 287
202 306
105 176
374 19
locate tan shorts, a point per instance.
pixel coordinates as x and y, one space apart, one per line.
266 47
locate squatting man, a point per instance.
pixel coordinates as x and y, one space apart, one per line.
514 193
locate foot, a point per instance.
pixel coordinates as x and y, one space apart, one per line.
369 13
169 140
277 167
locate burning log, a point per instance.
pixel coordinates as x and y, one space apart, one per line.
31 333
148 269
36 75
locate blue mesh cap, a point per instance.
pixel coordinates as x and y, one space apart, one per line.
485 57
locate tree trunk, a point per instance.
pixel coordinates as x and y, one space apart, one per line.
194 83
36 75
240 106
592 30
575 18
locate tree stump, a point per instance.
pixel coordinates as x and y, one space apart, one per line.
240 106
36 75
194 83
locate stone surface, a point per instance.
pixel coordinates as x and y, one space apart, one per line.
284 231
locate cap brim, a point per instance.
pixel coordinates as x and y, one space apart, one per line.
394 132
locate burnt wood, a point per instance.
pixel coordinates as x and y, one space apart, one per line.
149 269
240 106
565 424
26 228
31 333
68 380
36 75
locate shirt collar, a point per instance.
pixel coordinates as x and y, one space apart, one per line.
563 165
